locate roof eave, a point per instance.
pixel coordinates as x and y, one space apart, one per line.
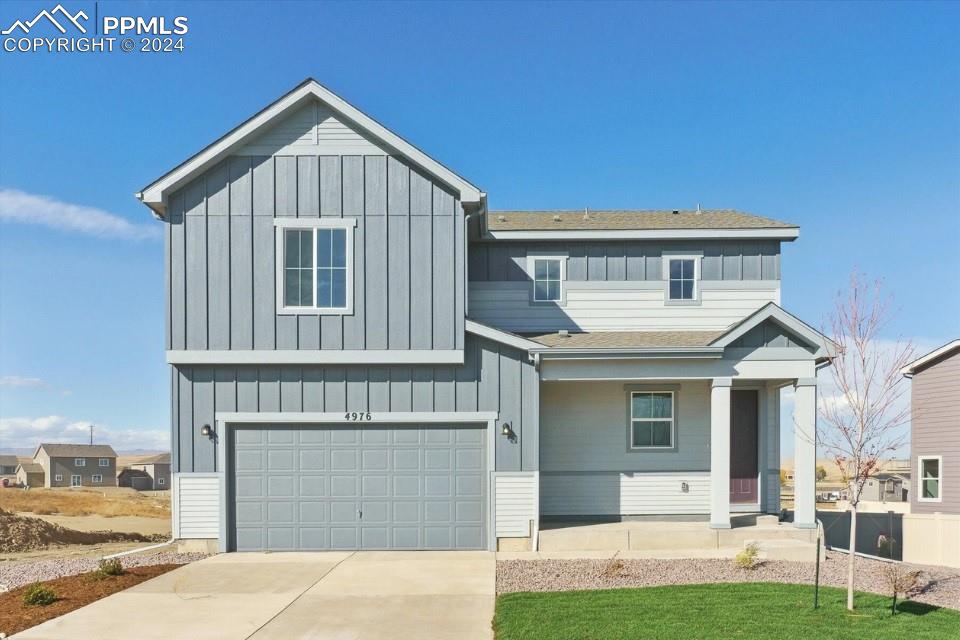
786 234
628 353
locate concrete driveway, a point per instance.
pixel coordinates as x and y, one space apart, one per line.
298 595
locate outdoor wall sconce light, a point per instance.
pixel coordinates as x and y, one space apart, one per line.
207 430
684 487
506 429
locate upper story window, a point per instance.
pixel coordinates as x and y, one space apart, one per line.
651 420
683 278
104 462
315 265
546 280
547 273
79 462
930 476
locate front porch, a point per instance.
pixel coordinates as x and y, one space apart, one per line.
663 538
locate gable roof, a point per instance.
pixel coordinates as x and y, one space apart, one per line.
824 348
155 194
931 358
30 467
585 224
77 450
162 458
8 461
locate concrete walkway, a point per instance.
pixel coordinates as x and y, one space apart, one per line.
364 595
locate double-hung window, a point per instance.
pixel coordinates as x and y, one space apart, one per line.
79 462
651 420
931 474
96 478
546 280
682 279
314 266
104 462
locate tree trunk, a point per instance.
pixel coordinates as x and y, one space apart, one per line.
853 555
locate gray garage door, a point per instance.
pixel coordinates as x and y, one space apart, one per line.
317 487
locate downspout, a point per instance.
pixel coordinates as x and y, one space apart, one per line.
132 551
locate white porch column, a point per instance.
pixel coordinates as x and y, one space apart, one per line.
805 454
720 453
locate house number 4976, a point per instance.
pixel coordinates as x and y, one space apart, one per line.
358 416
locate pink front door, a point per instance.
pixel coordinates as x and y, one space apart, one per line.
743 446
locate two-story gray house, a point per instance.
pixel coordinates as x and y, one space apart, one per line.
363 356
77 465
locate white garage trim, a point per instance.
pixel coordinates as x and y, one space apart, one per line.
226 420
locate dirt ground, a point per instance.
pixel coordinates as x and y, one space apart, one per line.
108 502
20 533
124 524
70 551
73 592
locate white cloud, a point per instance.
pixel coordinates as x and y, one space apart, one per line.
27 208
27 433
20 381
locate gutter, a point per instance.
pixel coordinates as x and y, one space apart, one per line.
567 353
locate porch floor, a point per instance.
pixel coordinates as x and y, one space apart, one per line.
663 538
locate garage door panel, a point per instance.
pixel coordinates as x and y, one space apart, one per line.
320 487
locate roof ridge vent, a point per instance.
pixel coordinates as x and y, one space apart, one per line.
564 333
676 211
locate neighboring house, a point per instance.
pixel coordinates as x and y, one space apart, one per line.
77 465
931 532
8 466
363 356
29 474
886 487
149 474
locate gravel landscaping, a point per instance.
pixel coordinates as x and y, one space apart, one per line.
938 586
16 574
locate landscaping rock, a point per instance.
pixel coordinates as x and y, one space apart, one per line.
938 586
17 574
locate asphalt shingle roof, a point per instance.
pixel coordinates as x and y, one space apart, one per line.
629 220
79 450
627 339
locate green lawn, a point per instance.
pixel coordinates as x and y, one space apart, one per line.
720 611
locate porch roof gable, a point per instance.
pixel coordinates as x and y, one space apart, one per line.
823 347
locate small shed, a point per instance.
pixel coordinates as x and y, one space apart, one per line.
135 479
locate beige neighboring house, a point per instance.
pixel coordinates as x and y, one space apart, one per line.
931 532
77 465
149 474
8 467
29 474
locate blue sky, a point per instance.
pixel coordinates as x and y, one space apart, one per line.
842 118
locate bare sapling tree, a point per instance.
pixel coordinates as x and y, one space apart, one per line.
862 416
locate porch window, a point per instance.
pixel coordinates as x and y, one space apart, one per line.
651 419
930 476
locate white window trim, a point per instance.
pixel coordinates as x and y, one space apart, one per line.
920 497
532 258
673 420
58 477
79 462
665 271
312 224
104 462
161 481
79 480
96 478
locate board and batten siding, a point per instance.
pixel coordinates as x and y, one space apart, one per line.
626 261
408 271
935 431
196 505
494 377
515 504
